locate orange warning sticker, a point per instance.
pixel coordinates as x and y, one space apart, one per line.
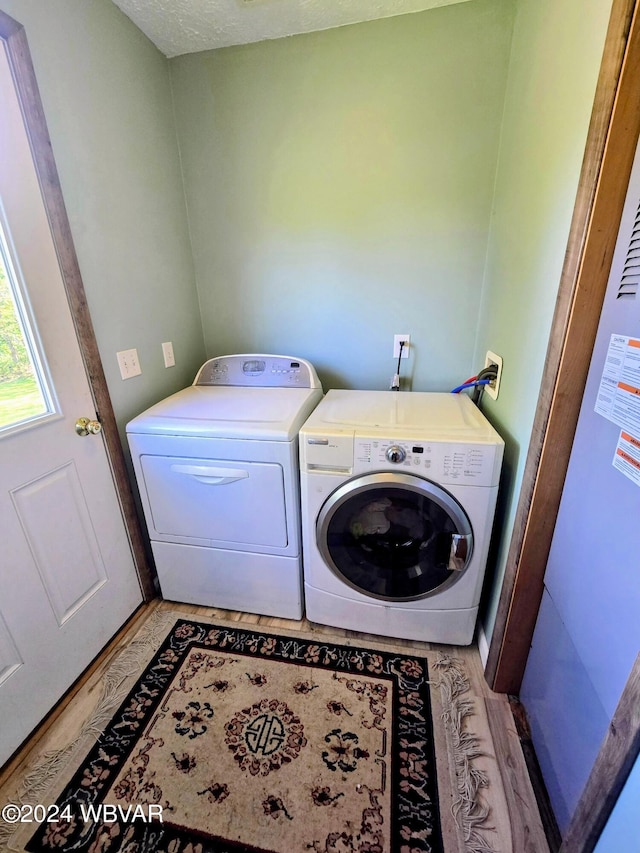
627 457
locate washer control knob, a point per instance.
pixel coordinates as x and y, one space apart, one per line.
396 454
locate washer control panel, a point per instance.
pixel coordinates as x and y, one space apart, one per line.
441 461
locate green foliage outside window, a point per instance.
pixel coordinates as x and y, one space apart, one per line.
21 398
14 357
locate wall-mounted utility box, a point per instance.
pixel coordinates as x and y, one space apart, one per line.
493 387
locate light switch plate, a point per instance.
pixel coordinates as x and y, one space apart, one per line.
128 363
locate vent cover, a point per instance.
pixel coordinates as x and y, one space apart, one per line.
630 279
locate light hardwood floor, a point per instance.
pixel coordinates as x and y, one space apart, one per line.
513 825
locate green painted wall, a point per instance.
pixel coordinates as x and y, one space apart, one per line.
341 187
107 99
555 59
339 190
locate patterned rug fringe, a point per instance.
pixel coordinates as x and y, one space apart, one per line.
115 686
468 809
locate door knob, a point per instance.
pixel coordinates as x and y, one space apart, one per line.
84 426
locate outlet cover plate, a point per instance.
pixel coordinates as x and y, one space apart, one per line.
493 389
167 352
405 348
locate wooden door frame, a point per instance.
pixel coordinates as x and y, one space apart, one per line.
13 37
609 153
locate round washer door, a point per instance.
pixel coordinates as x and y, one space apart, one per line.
395 537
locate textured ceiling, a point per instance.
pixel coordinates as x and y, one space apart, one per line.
187 26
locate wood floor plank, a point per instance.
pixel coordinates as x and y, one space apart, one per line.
524 824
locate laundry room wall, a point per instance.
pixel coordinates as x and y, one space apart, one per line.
555 60
339 189
107 101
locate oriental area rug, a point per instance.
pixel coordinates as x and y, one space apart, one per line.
233 739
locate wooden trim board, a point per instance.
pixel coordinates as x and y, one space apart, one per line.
527 833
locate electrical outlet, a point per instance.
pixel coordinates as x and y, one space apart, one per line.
493 387
128 363
167 352
396 345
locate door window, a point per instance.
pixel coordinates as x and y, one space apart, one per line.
395 541
25 392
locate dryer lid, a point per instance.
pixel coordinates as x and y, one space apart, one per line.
274 414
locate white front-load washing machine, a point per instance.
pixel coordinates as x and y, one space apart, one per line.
398 497
217 470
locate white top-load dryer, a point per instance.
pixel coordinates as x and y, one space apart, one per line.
398 499
217 470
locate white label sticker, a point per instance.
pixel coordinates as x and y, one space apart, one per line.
618 397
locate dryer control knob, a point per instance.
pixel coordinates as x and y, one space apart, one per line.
396 454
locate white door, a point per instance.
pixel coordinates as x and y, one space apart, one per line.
67 576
